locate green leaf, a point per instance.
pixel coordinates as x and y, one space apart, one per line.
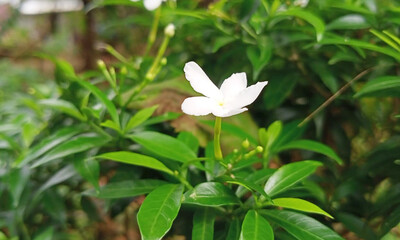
312 146
234 230
103 98
314 20
126 188
162 118
203 224
387 86
288 175
165 146
63 106
136 159
210 194
242 182
278 89
300 205
140 117
255 227
356 225
258 177
386 39
111 124
46 234
17 180
259 56
49 142
326 75
89 169
222 41
159 210
60 176
190 140
300 226
350 21
78 144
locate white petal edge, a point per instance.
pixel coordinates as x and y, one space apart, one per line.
247 96
197 106
228 113
152 4
233 85
200 82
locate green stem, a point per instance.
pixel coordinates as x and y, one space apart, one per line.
217 145
153 32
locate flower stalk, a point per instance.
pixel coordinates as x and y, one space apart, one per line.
217 135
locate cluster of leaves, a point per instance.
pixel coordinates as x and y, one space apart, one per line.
93 129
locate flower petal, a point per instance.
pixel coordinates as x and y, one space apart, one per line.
198 106
152 4
200 82
246 97
227 113
233 85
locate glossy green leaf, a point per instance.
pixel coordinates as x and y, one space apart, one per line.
234 230
242 182
350 21
126 188
300 205
190 140
103 98
387 86
78 144
314 20
159 210
88 169
300 226
111 124
136 159
203 224
140 117
312 146
258 177
63 106
255 227
165 146
288 175
49 142
211 194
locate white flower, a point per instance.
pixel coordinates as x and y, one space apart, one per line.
229 100
151 4
170 30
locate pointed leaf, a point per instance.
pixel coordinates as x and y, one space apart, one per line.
300 205
136 159
159 210
17 180
288 175
165 146
387 86
140 117
255 227
89 169
203 224
78 144
63 106
234 230
312 146
211 194
300 226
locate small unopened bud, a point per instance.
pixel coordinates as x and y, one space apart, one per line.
259 149
176 173
246 144
235 151
230 166
163 61
232 176
123 70
170 30
101 63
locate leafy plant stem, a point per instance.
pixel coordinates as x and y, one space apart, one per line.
217 135
184 181
153 31
334 96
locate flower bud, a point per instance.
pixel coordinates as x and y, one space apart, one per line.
101 63
170 30
163 61
246 144
259 149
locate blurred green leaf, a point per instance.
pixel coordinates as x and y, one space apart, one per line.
203 224
259 56
300 205
311 18
386 39
136 159
386 86
17 180
326 75
89 169
63 106
300 226
255 227
278 89
190 140
61 175
47 234
159 210
164 145
211 194
288 175
127 188
221 42
234 230
350 21
78 144
162 118
312 146
103 98
258 177
356 225
233 129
